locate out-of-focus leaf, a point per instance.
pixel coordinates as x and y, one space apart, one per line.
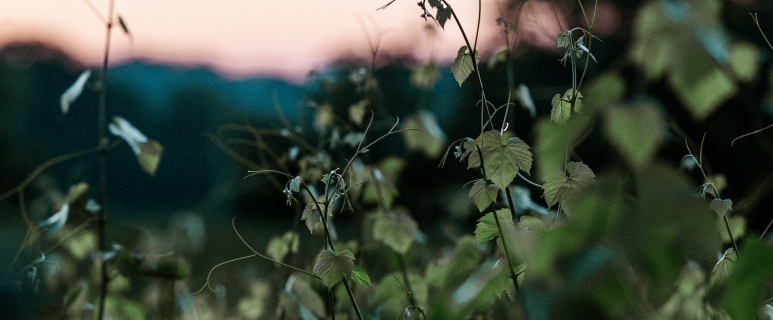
391 293
148 151
324 118
55 222
452 270
463 65
312 215
563 188
150 156
750 276
499 56
487 227
483 194
425 75
360 276
562 106
744 59
333 267
523 96
396 230
122 308
358 110
81 244
254 304
306 299
721 206
636 131
77 192
383 179
74 91
503 158
429 138
737 227
279 247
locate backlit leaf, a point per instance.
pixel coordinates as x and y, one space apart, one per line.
562 188
636 131
332 267
74 91
279 247
312 215
425 75
562 106
360 276
721 206
391 294
502 158
148 151
150 156
487 227
429 138
483 194
463 66
443 14
396 230
748 279
744 58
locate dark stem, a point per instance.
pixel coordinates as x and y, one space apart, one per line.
404 271
474 64
499 227
103 148
727 226
332 304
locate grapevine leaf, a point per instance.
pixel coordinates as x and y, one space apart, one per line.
562 39
483 194
487 227
332 267
503 158
312 215
562 106
721 206
443 14
636 132
563 188
463 66
428 139
74 91
390 294
396 230
360 276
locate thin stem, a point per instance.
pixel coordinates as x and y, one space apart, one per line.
766 230
590 39
727 227
103 148
233 224
529 181
507 251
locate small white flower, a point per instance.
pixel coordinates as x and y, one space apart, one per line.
56 221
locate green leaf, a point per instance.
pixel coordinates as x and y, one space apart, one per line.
383 179
636 132
562 106
77 192
463 66
391 294
724 267
700 86
503 158
561 188
562 39
360 276
749 279
396 230
721 206
737 226
744 59
312 215
425 75
428 139
150 156
531 223
483 194
451 271
487 227
332 267
279 247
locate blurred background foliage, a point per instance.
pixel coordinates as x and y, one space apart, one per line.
641 242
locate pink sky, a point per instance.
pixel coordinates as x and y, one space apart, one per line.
239 38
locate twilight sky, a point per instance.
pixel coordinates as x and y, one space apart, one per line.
240 38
